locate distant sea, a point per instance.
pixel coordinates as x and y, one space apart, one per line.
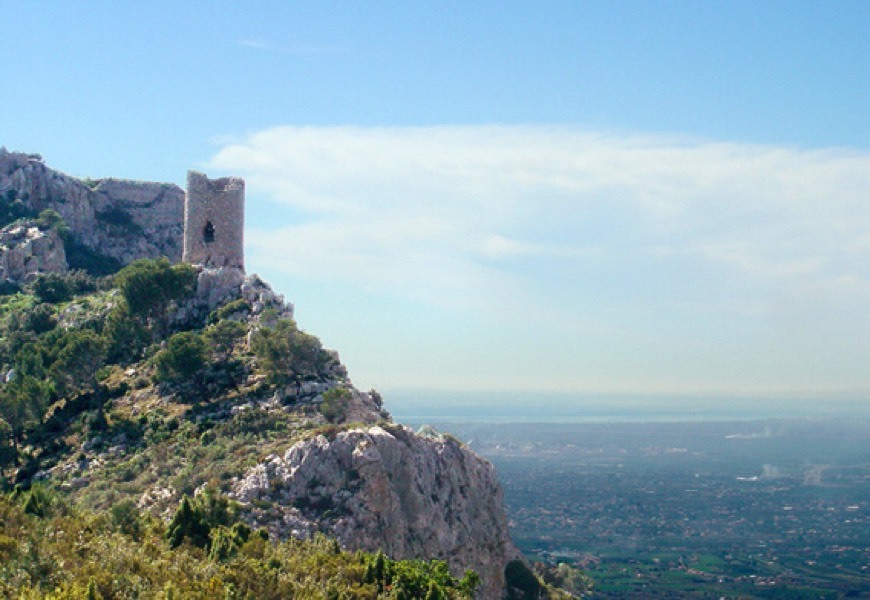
416 407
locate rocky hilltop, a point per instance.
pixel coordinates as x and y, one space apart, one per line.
121 219
167 381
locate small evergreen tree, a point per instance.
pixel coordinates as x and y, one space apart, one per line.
149 286
79 360
183 359
22 403
188 523
434 592
286 353
93 593
126 518
51 219
223 335
127 336
334 404
51 288
76 367
38 501
40 319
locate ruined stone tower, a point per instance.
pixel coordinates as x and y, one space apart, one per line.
214 220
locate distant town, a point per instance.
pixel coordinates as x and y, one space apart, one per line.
752 508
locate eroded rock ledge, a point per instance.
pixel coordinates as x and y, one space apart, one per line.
386 487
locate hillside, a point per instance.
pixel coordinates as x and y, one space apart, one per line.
49 549
160 387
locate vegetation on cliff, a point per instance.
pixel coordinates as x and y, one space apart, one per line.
104 380
115 412
51 549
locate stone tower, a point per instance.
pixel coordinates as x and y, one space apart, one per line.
214 221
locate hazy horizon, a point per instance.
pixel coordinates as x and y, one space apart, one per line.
418 407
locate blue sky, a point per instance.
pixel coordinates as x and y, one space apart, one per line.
579 197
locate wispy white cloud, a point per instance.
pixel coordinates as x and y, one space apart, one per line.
649 260
447 212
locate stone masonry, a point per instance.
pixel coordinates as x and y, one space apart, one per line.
214 219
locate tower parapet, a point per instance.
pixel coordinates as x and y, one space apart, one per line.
214 221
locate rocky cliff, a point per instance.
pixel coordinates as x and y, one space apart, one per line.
375 486
385 487
121 219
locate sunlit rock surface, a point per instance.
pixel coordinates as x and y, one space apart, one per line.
387 487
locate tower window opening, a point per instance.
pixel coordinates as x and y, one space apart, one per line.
208 233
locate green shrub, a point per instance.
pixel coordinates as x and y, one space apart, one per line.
76 552
125 518
23 402
196 520
13 208
60 287
223 335
80 282
38 501
238 306
51 219
51 288
334 404
41 319
9 287
189 524
417 578
224 541
287 354
148 286
80 354
127 336
183 358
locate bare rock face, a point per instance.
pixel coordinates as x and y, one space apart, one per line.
219 286
122 219
386 487
156 213
26 250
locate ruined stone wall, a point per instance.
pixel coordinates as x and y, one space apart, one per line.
214 220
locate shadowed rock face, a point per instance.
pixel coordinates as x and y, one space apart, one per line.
387 487
122 219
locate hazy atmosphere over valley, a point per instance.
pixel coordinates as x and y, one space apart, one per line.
592 198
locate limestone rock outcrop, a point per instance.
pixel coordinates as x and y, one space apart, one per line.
26 250
386 487
219 286
122 219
